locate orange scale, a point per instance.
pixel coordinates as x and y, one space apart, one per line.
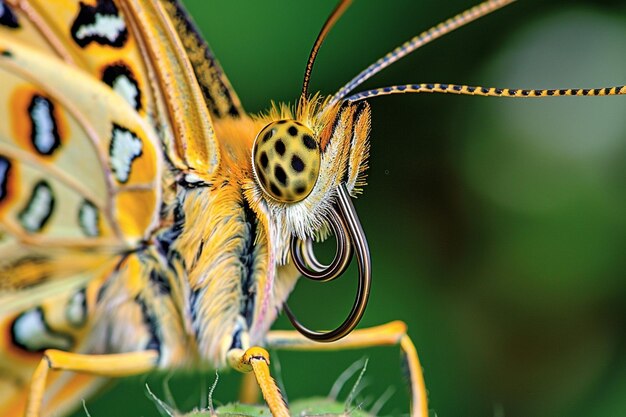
135 210
143 169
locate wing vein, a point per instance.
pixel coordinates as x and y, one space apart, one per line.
88 128
47 33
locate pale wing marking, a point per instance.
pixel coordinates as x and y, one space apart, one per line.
89 130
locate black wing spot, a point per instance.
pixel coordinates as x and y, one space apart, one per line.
38 209
44 133
122 80
102 24
7 17
5 171
293 131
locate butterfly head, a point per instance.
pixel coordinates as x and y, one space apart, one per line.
301 156
306 164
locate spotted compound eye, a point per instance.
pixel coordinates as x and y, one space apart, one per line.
286 160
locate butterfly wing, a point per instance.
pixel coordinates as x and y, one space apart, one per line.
150 52
220 98
79 172
80 184
145 51
61 321
93 37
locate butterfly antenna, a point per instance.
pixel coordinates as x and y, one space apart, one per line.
418 41
486 91
341 7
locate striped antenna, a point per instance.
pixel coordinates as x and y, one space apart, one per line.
485 91
341 7
418 41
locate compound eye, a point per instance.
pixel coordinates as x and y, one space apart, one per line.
286 160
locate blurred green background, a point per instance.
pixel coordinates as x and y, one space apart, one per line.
497 227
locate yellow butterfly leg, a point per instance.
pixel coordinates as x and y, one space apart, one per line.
390 334
257 360
114 365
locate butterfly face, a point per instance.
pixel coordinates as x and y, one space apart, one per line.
299 161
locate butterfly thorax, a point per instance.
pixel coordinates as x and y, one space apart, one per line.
225 284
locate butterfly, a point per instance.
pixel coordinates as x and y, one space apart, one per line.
148 222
